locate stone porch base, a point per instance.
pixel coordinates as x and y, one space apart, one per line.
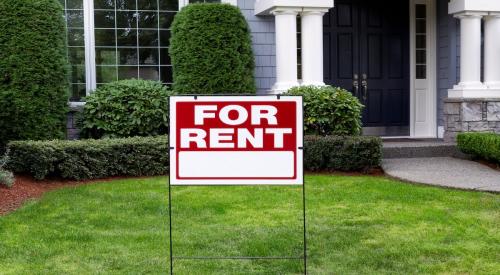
470 115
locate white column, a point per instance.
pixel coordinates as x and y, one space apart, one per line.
470 50
312 47
286 50
492 50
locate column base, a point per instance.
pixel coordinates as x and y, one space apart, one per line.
283 87
493 85
459 92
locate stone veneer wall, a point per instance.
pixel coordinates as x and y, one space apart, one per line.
471 115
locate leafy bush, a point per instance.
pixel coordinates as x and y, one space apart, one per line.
333 153
90 159
211 51
33 70
126 108
329 111
482 145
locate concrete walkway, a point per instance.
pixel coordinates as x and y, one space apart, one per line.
445 171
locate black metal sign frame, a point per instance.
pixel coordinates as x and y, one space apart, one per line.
303 257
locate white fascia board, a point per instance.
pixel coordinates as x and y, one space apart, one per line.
264 7
459 6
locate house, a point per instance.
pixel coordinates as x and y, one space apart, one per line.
422 68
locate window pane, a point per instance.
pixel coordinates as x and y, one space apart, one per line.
73 4
420 11
166 19
105 56
104 19
74 19
76 55
78 74
421 71
128 56
104 4
77 91
127 72
421 41
148 38
149 73
76 37
105 37
164 38
148 20
149 56
148 4
421 57
127 37
166 74
164 57
421 26
126 19
105 74
126 4
170 5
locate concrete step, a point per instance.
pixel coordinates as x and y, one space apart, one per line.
419 148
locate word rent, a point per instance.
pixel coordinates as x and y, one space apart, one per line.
262 120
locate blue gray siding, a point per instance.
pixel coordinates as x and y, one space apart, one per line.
264 48
448 65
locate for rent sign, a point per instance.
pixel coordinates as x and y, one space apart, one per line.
220 140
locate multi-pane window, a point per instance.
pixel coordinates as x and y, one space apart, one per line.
421 41
73 11
132 38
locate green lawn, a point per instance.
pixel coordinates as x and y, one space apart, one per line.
356 225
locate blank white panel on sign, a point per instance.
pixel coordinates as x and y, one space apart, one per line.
236 164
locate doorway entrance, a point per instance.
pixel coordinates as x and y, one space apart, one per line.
367 51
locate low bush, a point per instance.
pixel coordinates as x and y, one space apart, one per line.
329 111
126 108
211 51
334 153
90 159
480 145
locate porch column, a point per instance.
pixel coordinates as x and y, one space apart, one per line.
312 47
492 50
286 50
470 50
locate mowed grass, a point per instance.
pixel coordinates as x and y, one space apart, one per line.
356 225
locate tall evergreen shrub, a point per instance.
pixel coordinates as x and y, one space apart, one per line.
33 70
211 50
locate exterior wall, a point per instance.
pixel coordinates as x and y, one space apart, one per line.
264 48
448 50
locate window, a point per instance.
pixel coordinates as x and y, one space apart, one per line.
73 12
421 41
130 39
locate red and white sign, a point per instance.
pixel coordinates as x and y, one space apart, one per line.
236 140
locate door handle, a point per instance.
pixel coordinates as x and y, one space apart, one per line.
364 85
355 85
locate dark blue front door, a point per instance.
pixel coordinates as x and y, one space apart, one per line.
367 52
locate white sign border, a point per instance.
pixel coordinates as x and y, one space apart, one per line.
236 98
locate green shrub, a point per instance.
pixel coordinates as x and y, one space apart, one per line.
481 145
90 159
329 111
211 51
126 108
33 70
333 153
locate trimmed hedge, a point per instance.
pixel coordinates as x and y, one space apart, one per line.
90 159
329 110
126 108
34 87
334 153
481 145
211 51
148 156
